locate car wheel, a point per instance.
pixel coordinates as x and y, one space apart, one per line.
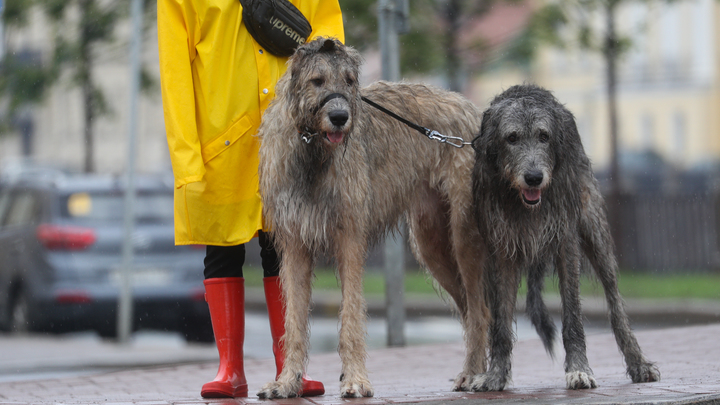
19 314
199 331
107 331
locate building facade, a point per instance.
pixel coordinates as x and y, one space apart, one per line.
668 84
57 138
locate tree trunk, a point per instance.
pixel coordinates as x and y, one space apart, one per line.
88 89
88 136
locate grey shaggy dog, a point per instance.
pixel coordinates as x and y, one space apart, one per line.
336 175
538 206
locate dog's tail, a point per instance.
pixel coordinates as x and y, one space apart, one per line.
537 310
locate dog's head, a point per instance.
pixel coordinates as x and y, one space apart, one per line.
322 89
523 134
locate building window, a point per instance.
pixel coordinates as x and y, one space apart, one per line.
678 136
647 132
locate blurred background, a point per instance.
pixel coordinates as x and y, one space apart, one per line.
641 77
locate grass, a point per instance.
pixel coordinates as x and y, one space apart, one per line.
631 284
416 282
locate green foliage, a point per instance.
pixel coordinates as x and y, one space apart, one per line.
15 13
54 9
421 49
23 79
631 284
647 285
360 23
23 82
75 49
567 25
431 45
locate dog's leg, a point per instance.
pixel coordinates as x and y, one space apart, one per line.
537 310
354 382
599 250
296 277
470 255
578 374
504 279
430 238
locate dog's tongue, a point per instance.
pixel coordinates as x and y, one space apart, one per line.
531 195
335 137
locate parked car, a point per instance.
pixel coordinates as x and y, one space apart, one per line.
644 172
61 240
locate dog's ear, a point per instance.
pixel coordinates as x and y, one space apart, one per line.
327 46
568 136
485 144
479 144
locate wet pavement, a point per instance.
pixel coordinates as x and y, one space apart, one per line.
689 360
163 371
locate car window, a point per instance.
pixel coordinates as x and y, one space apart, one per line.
24 209
110 207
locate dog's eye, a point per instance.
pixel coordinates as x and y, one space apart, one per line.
544 137
512 138
350 81
318 81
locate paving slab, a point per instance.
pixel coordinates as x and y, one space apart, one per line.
688 357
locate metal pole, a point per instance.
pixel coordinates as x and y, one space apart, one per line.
125 303
2 30
394 246
613 203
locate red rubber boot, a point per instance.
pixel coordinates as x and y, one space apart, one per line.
276 313
226 299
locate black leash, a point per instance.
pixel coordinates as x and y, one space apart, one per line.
432 134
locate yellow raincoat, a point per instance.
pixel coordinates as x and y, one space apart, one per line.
216 82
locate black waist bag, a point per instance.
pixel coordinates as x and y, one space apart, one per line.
277 25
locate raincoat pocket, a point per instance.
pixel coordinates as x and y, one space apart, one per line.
221 143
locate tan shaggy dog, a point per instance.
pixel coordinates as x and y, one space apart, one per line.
336 175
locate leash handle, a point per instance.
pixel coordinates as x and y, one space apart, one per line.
431 134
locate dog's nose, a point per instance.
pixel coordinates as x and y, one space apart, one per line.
533 178
338 117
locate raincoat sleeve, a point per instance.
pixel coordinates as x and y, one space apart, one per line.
327 20
178 32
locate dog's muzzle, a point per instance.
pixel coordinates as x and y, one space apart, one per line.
327 99
308 134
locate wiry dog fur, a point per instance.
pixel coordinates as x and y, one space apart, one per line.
538 205
361 172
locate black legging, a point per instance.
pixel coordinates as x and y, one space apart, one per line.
228 261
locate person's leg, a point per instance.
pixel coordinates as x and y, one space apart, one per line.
276 311
225 295
224 261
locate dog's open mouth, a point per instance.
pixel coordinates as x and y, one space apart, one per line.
531 196
334 137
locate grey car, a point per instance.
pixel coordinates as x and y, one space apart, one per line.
60 258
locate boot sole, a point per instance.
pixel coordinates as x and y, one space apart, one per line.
224 391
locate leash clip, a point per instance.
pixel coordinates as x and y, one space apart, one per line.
450 140
307 136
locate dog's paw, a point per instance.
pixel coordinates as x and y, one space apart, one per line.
645 372
489 382
462 382
577 380
275 389
356 389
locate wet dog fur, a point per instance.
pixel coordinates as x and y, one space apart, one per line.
336 175
538 207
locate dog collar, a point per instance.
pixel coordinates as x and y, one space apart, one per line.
306 135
